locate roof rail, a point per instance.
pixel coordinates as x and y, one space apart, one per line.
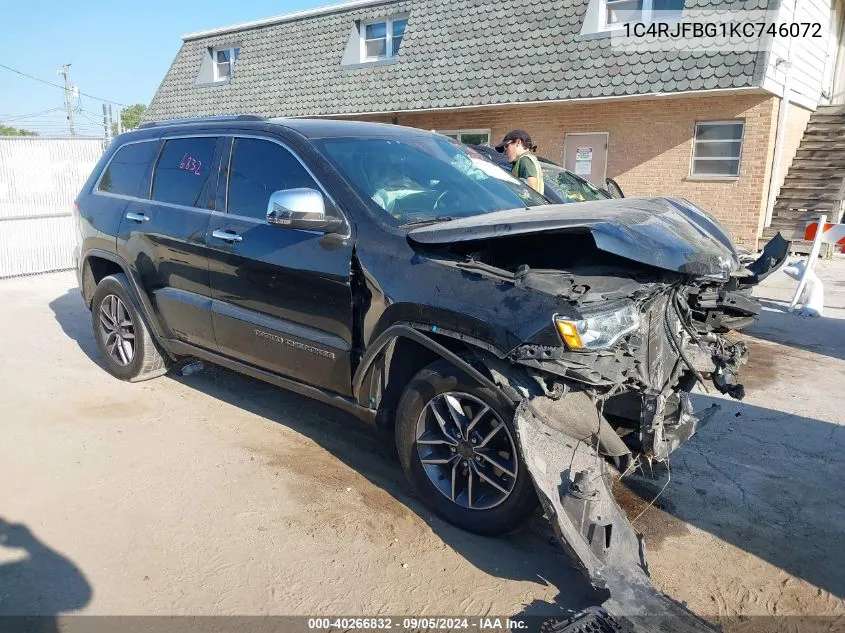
202 119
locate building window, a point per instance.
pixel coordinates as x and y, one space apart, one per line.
615 13
382 39
224 62
469 137
717 149
623 11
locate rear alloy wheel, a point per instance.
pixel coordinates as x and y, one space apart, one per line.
117 330
128 350
458 448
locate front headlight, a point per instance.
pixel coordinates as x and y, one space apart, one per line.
598 330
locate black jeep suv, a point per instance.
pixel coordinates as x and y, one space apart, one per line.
395 275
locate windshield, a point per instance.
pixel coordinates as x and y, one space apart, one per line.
569 187
424 179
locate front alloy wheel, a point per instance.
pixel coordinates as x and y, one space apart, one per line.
467 451
458 447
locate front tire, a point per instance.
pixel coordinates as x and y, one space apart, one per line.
126 346
457 446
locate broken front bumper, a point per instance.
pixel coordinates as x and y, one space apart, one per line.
573 482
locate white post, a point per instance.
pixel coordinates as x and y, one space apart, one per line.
811 262
780 135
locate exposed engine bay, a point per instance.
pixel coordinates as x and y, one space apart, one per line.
594 407
676 339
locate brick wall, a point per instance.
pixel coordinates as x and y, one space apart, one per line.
649 145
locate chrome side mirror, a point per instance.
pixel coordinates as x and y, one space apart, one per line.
300 209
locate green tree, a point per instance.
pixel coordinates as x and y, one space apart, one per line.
6 130
130 117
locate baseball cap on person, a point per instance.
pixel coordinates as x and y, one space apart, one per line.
515 135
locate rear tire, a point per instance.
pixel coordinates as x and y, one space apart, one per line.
126 346
495 502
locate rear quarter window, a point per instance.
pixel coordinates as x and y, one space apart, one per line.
126 172
183 172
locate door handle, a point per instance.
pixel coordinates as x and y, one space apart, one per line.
137 217
228 236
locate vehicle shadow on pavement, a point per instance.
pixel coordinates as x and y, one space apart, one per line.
40 583
819 335
765 481
75 321
531 554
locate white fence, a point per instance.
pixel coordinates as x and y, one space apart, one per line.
39 180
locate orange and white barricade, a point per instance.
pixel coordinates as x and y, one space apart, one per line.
831 233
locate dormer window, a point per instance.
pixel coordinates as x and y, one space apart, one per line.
224 62
623 11
381 39
614 14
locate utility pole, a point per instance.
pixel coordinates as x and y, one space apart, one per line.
65 71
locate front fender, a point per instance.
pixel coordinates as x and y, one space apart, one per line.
389 337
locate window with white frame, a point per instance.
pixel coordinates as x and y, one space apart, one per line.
381 39
224 62
623 11
469 137
616 13
717 149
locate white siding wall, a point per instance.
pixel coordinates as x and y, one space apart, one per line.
39 180
809 55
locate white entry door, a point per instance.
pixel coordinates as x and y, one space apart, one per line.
585 154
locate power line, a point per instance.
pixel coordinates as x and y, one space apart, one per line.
63 124
50 112
56 130
18 72
94 121
35 122
81 109
64 131
55 118
28 116
59 123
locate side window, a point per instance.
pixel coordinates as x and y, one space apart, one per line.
126 171
257 169
183 171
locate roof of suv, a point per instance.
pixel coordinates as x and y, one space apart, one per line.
310 128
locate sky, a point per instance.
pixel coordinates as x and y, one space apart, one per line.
118 52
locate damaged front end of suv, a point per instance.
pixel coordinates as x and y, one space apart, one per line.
648 290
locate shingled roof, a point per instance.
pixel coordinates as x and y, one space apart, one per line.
456 53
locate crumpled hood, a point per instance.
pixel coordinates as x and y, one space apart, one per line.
668 233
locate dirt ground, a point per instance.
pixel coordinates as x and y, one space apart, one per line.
219 494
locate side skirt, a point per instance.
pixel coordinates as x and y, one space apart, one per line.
180 348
